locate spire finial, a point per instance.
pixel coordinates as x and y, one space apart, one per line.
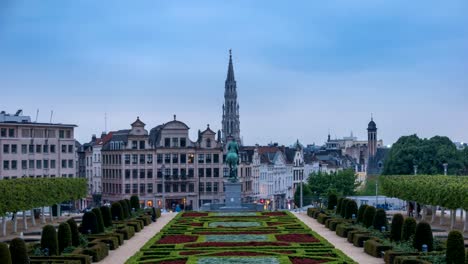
230 52
371 116
174 117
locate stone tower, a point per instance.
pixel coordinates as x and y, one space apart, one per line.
230 123
372 138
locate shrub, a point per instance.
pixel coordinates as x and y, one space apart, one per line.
124 208
332 201
18 251
75 234
423 235
344 204
117 211
154 217
135 202
100 220
362 209
343 229
338 205
64 236
97 251
106 216
129 207
380 219
375 248
368 217
89 223
5 256
322 218
396 227
455 248
360 238
409 228
351 209
49 240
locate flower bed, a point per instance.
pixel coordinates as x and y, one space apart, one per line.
237 238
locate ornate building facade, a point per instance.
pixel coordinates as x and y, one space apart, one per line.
230 119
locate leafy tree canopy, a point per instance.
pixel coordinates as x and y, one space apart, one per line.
342 182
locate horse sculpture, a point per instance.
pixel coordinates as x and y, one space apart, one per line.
232 159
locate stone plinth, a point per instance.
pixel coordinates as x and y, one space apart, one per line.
233 194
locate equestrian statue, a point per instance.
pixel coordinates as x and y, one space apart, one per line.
232 160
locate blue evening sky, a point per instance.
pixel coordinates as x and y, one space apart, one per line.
302 67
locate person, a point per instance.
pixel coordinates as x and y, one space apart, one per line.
177 208
410 209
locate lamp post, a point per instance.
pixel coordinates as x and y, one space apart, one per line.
445 168
163 169
415 168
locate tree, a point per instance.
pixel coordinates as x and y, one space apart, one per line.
49 240
74 232
343 182
64 236
455 248
18 251
423 236
5 256
306 195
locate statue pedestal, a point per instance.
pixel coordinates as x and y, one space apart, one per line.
233 195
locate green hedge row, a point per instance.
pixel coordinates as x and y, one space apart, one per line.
27 193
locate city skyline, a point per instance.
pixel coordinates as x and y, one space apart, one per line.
300 72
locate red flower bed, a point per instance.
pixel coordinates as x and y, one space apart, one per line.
275 214
239 233
177 239
238 244
306 261
299 238
194 214
238 253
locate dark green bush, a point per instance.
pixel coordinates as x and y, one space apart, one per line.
5 256
98 251
100 220
332 201
380 219
423 235
117 211
368 217
338 205
375 248
455 248
344 204
409 228
360 215
64 236
49 240
135 202
322 218
18 251
89 223
351 209
129 207
106 216
343 229
397 227
125 209
75 234
360 238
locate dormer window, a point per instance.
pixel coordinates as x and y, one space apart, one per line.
208 143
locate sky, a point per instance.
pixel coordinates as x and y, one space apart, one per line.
302 69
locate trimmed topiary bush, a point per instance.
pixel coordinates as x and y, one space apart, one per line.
380 219
409 228
351 209
129 207
344 204
360 215
397 227
49 240
18 251
99 218
124 208
89 224
64 236
135 202
455 253
106 216
423 236
117 211
5 256
75 234
338 205
332 201
368 217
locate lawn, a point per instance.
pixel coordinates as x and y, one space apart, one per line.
237 238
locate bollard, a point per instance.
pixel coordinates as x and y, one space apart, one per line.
424 248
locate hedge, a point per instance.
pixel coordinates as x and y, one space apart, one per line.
106 216
26 193
375 248
19 254
64 236
74 232
455 248
49 240
5 257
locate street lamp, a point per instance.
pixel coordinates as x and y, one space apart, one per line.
445 168
163 169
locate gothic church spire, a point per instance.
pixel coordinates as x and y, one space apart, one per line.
230 123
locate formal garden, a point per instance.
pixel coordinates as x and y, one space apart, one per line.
402 239
243 237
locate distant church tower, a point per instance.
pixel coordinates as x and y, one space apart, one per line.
372 138
230 123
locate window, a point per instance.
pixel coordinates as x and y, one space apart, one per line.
52 164
51 133
190 172
167 187
6 148
183 158
24 149
149 158
175 142
201 187
52 148
11 132
134 158
134 173
201 158
127 159
208 158
135 188
14 148
216 172
61 133
46 164
175 158
38 148
38 164
68 133
64 163
142 188
167 142
208 143
127 188
208 187
149 174
159 158
134 144
167 172
6 164
150 188
70 163
3 132
183 187
45 148
215 187
142 144
142 174
70 148
159 173
191 158
142 159
31 149
175 172
64 148
127 174
24 164
183 172
208 172
167 158
200 172
191 187
183 142
159 188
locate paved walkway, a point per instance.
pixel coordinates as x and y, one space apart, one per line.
356 253
132 246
